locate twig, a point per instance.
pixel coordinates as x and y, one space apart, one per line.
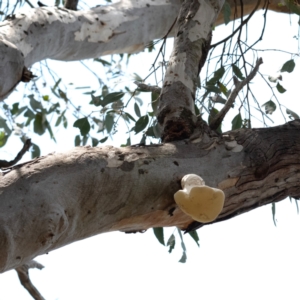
217 120
25 280
6 164
148 88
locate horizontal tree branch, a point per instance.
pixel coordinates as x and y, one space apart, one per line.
65 197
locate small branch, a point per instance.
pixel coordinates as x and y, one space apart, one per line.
25 280
148 88
71 4
7 164
217 120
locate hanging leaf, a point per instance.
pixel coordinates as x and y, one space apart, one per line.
218 74
183 258
226 10
109 122
102 61
237 122
104 90
280 88
141 124
95 142
137 110
83 125
3 138
195 237
237 72
270 107
171 243
112 97
159 233
35 105
292 115
223 88
35 151
38 124
77 140
103 140
288 66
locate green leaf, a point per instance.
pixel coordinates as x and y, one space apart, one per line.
102 61
35 151
274 213
288 66
223 88
237 122
65 121
3 138
58 121
95 142
112 97
226 10
46 97
154 101
183 258
103 140
237 72
159 233
77 140
280 88
141 124
137 110
195 237
56 84
218 74
109 122
137 77
3 125
35 105
150 131
270 107
129 116
104 91
171 243
292 115
292 7
39 124
212 89
83 125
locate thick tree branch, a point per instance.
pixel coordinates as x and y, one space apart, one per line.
218 119
191 44
61 198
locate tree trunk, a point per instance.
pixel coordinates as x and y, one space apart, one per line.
55 200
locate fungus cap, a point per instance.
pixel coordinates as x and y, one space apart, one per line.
202 203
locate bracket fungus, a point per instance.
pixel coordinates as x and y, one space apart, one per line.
202 203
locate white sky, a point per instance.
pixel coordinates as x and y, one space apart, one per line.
243 258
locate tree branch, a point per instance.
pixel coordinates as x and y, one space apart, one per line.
25 280
7 164
148 88
218 119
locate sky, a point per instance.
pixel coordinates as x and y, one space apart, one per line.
246 257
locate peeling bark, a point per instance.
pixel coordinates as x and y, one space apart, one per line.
58 33
55 200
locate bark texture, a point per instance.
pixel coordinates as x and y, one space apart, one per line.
55 200
32 35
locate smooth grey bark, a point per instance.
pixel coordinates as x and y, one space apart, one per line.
55 200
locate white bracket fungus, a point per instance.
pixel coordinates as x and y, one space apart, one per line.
202 203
